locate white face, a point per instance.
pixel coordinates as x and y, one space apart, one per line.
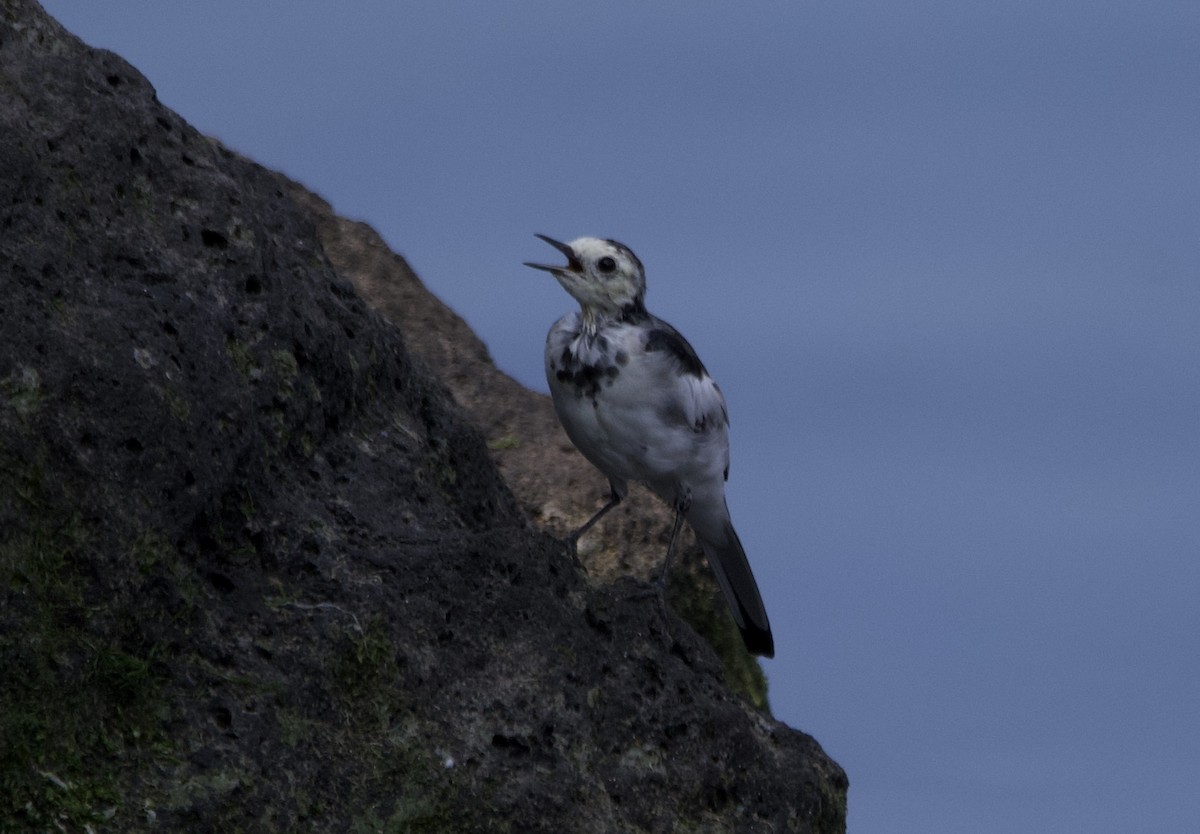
602 275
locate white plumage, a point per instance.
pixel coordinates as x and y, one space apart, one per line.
637 402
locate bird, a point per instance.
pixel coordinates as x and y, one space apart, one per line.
638 403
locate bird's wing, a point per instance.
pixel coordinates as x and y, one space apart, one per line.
698 400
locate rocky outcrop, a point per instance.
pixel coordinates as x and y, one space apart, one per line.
554 485
258 569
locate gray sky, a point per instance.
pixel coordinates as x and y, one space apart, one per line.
943 259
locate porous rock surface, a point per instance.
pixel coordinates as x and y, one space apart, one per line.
556 487
258 571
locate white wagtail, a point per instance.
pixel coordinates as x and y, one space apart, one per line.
637 402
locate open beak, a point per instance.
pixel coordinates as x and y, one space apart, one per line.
573 264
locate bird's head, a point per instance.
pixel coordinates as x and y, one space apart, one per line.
604 276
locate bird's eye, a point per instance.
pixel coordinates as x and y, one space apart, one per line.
606 264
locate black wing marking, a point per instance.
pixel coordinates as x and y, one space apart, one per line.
666 338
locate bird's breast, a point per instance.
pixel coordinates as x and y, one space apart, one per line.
583 364
632 407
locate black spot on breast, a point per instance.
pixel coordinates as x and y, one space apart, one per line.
666 338
622 358
587 377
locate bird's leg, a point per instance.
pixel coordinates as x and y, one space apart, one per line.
613 499
658 588
682 504
665 575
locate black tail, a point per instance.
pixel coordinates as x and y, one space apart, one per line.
732 570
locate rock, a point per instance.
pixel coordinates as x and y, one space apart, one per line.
555 486
258 570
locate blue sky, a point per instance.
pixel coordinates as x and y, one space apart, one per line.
943 259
